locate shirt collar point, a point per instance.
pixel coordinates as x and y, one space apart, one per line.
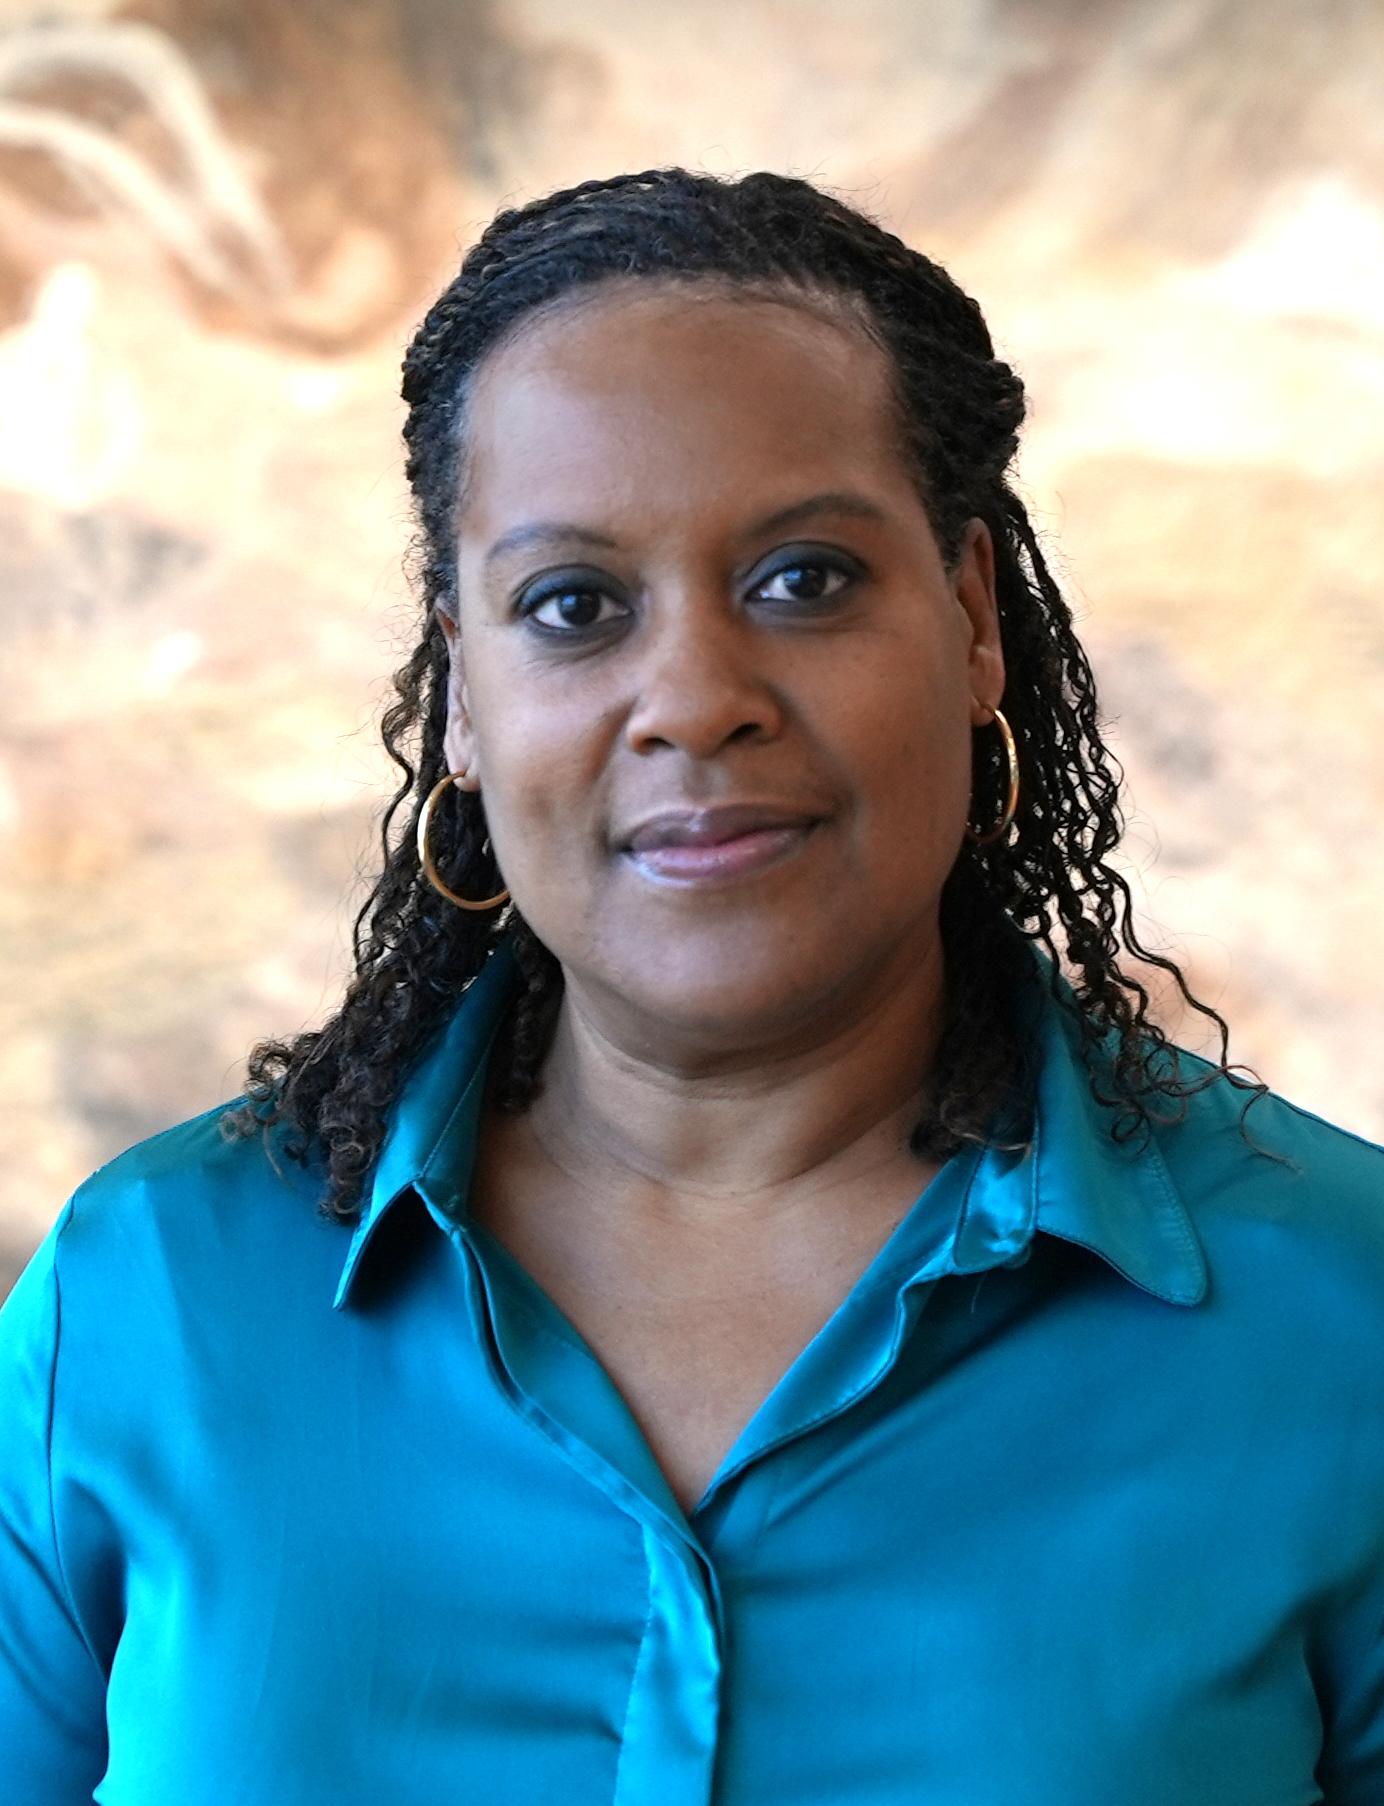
436 1105
1117 1199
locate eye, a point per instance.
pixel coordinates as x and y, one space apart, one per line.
574 605
573 600
806 576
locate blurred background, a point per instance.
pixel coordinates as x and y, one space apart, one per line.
219 224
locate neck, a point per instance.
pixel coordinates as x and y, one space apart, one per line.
762 1129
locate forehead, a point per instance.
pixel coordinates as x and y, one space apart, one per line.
648 389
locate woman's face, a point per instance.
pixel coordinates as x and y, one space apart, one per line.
693 572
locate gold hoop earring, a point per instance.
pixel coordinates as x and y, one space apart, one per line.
429 865
1012 800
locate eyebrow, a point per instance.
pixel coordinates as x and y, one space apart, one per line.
534 535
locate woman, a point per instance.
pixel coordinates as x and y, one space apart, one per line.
794 1340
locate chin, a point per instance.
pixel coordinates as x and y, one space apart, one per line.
724 979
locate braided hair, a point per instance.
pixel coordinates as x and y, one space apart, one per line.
958 410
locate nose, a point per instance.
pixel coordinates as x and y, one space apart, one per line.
701 684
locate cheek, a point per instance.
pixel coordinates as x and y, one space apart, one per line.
917 822
917 798
541 769
910 751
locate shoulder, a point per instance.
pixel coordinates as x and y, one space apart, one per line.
183 1265
190 1204
1286 1357
195 1150
1236 1150
1282 1195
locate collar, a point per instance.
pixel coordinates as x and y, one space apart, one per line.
1074 1181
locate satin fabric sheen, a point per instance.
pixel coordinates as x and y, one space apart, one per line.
1076 1500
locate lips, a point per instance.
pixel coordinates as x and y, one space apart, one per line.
712 827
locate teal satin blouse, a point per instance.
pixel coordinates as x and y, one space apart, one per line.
1076 1500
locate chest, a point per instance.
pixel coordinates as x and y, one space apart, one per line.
695 1355
693 1337
1065 1565
693 1375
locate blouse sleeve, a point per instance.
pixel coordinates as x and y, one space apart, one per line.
52 1687
1350 1685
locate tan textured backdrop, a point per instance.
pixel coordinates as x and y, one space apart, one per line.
218 225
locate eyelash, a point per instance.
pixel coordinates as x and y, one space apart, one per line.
529 605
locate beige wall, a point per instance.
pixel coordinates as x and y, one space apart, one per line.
217 227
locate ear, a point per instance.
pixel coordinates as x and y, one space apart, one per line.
974 585
458 739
